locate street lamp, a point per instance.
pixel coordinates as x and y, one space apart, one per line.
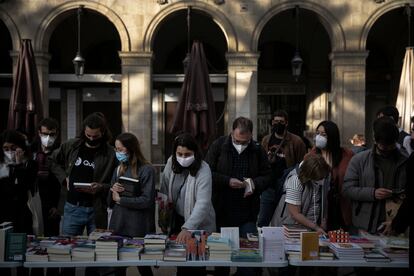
297 61
79 61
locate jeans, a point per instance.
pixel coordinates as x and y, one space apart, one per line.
268 205
76 218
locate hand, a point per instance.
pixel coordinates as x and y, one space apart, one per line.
118 188
53 213
320 231
236 184
115 196
19 155
183 236
382 193
386 228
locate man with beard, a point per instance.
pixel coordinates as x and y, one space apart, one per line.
375 178
86 159
284 150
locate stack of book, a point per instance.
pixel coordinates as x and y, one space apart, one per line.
36 254
347 251
84 251
246 255
106 248
154 246
131 249
376 255
396 248
219 248
292 239
175 252
60 251
365 243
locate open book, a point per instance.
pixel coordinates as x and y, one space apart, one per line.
131 186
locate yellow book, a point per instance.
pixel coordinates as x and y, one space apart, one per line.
309 246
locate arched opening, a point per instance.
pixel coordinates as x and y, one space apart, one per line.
305 100
170 48
6 68
98 90
386 43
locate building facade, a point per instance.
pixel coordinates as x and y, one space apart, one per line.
352 55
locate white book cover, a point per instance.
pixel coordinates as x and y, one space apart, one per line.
232 233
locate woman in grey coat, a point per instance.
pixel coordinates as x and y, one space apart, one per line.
133 208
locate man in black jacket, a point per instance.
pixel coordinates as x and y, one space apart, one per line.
236 160
233 159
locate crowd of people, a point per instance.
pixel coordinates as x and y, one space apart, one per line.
324 188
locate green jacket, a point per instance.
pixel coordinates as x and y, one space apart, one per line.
62 161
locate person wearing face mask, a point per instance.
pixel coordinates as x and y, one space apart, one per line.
187 182
49 188
408 142
375 176
132 215
328 145
86 159
17 174
233 159
284 150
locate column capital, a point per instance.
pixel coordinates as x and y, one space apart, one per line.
42 58
242 58
136 58
348 57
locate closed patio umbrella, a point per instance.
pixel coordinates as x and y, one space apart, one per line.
405 92
195 110
25 109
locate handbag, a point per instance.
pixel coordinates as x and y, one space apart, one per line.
34 203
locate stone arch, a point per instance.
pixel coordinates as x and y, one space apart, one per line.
219 18
329 22
50 22
375 16
11 26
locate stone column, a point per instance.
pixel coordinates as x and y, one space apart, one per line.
136 97
348 92
242 88
42 64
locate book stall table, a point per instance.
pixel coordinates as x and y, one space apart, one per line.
91 264
349 263
223 263
10 264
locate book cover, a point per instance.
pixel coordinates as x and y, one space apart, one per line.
15 246
131 186
232 233
309 246
3 237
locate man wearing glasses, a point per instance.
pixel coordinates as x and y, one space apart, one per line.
240 171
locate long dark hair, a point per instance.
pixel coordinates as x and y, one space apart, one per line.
334 141
135 156
188 141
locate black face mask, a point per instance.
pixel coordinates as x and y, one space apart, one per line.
94 143
412 143
278 128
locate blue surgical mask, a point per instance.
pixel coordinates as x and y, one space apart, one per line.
122 156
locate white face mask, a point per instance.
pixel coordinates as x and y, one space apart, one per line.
185 161
9 157
240 148
320 141
47 141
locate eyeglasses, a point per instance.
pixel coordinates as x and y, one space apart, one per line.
51 134
243 143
